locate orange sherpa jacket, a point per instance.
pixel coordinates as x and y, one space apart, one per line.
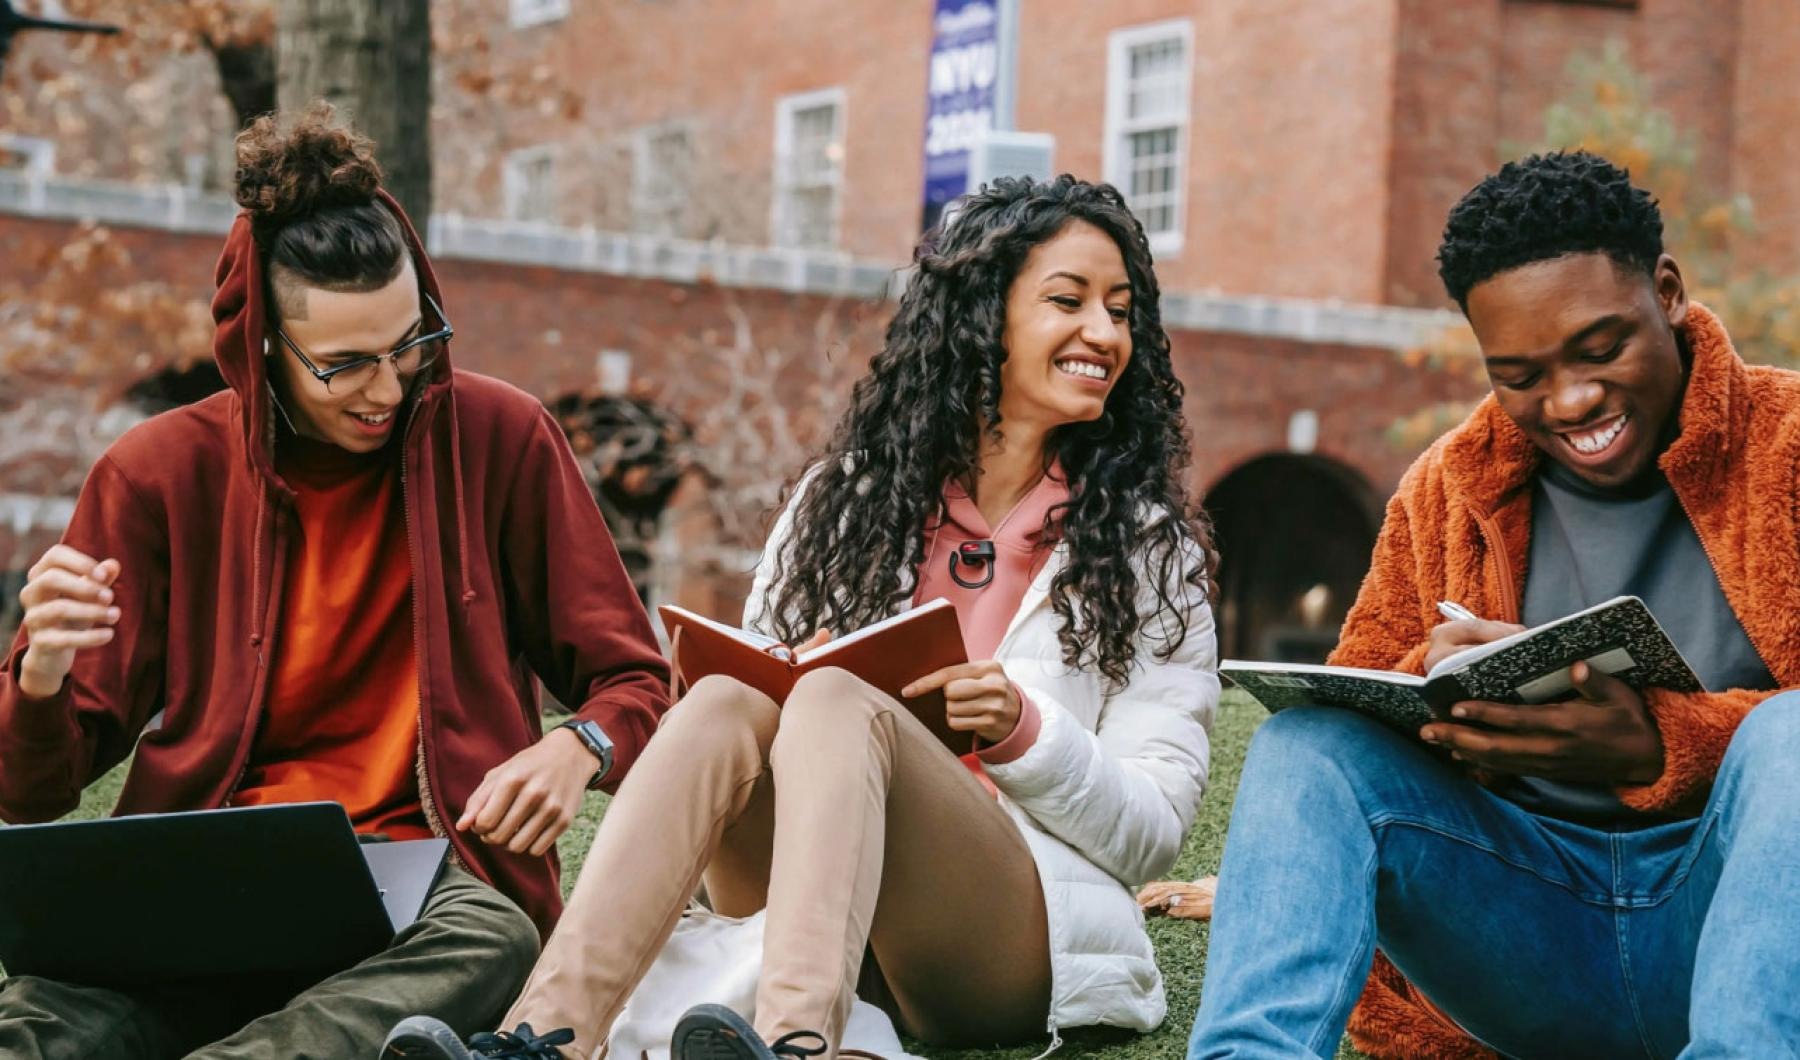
1459 528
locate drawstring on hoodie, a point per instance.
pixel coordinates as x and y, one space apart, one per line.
240 346
256 613
462 526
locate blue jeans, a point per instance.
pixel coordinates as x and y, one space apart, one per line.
1539 937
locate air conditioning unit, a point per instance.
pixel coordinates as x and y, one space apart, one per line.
1011 154
29 156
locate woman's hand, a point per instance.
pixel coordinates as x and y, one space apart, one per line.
978 698
786 654
1184 901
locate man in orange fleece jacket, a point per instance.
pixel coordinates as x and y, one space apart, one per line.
1622 869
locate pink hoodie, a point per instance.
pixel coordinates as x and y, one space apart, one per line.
1021 548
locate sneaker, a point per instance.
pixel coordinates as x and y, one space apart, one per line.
714 1032
428 1038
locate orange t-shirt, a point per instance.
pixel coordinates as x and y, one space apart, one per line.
341 721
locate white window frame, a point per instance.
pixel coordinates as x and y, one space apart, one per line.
785 109
514 186
1119 127
527 13
646 183
39 154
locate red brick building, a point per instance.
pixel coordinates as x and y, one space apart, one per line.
674 197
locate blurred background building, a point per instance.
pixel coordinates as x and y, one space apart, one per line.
682 223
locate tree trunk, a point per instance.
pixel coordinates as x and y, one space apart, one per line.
373 60
247 72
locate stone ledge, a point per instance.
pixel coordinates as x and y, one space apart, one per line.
1305 319
178 209
23 513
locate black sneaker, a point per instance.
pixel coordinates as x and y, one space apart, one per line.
428 1038
714 1032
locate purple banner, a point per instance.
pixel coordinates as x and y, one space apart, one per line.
965 64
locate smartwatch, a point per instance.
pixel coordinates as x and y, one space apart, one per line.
594 739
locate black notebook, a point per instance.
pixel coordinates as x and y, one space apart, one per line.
1619 637
171 897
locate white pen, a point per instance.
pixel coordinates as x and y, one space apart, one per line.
1456 612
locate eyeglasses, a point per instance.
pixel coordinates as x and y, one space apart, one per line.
409 358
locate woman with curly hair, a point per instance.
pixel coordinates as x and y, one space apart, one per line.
328 583
1023 404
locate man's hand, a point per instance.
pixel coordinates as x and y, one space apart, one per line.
1606 736
978 698
527 801
1448 638
68 600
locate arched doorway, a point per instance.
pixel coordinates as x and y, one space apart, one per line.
1294 535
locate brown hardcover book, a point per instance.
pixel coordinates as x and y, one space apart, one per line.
889 655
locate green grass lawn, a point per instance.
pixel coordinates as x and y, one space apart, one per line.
1180 944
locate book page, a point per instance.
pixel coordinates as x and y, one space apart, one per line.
743 636
1279 669
869 631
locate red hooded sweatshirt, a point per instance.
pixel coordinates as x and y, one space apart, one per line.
513 573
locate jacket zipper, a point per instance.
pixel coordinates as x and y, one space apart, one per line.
264 653
415 551
1057 558
1509 603
421 765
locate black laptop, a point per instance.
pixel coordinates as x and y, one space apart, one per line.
179 896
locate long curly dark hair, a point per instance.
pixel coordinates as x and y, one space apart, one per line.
931 397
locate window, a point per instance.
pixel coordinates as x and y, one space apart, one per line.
1149 72
30 155
528 185
809 168
536 12
662 174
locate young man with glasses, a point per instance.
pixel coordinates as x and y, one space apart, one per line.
339 580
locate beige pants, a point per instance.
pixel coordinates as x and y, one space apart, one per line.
854 826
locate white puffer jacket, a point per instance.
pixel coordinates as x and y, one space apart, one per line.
1104 797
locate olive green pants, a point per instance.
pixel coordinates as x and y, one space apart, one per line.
463 960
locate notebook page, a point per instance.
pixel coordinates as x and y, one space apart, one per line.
1481 651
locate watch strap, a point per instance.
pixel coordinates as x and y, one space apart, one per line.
596 741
